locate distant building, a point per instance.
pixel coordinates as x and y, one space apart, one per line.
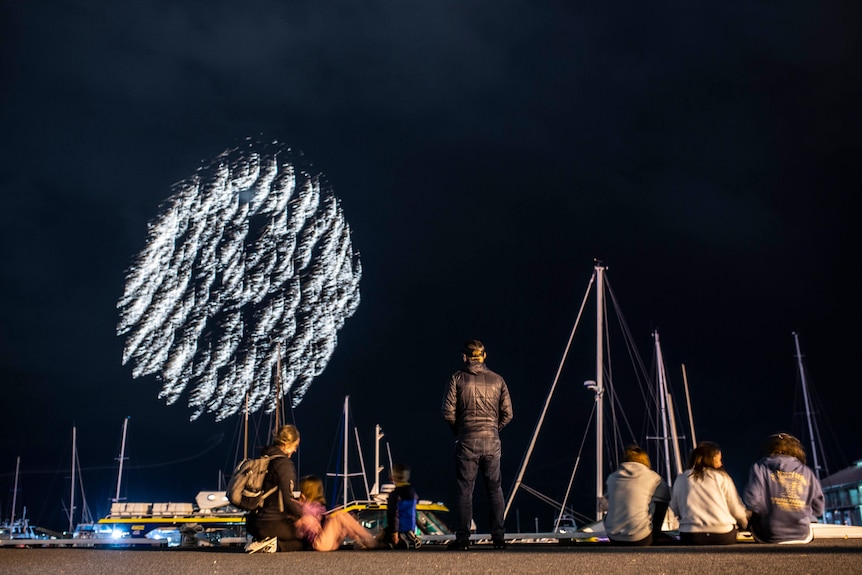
843 491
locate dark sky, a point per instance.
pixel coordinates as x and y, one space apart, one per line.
485 153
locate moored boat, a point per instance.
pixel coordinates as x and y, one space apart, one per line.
210 520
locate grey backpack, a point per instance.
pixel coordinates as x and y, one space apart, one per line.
245 488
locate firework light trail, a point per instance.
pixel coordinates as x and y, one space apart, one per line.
250 255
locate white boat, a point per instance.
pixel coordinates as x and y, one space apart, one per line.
85 527
210 520
19 528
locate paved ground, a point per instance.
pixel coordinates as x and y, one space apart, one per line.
825 557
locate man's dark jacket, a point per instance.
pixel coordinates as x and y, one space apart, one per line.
477 401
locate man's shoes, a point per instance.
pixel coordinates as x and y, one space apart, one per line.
458 545
268 545
499 544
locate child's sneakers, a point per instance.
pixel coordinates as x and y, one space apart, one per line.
268 545
411 539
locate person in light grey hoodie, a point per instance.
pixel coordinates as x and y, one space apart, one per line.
637 499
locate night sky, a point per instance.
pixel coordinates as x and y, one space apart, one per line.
484 154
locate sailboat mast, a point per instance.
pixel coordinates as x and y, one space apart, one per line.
808 415
362 463
346 404
122 458
15 489
600 291
72 494
278 414
674 436
245 430
662 401
688 404
378 434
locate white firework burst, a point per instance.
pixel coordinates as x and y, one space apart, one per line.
249 256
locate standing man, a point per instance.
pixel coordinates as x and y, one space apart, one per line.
476 407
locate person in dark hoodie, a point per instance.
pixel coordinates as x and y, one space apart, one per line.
637 500
272 524
477 406
783 493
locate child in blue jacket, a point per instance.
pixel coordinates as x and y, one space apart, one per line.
400 531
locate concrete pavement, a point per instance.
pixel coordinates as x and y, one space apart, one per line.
832 557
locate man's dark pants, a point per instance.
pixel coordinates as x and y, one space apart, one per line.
474 454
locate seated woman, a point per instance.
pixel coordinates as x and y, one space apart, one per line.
705 500
326 532
637 500
272 524
783 493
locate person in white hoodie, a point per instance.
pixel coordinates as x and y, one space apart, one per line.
637 499
706 501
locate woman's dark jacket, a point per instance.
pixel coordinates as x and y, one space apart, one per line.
281 472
